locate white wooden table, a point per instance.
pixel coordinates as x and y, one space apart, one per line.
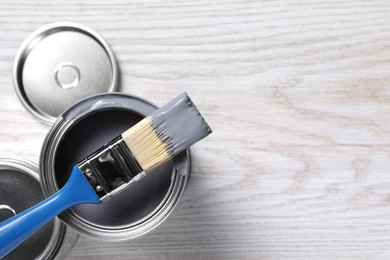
298 96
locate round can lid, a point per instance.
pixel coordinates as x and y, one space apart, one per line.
20 190
60 64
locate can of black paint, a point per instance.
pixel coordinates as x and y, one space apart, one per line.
82 129
19 190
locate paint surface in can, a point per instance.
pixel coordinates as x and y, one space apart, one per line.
19 190
130 205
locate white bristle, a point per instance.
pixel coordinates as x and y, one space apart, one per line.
149 150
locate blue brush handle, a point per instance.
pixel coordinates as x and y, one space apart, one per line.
15 230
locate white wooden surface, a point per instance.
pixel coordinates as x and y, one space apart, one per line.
298 95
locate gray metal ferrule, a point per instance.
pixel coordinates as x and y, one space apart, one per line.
111 169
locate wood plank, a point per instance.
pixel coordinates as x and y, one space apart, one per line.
298 96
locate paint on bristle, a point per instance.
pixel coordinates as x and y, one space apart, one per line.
166 132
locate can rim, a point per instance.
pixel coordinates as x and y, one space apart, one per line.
59 229
119 233
25 48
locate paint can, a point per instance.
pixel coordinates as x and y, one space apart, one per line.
82 129
20 189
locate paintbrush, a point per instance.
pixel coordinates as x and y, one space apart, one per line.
117 165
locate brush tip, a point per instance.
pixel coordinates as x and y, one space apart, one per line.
180 124
166 132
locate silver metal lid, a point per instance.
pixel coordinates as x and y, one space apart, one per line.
20 190
60 64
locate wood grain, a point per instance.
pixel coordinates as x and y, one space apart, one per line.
298 96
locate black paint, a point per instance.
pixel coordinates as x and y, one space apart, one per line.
21 191
84 138
180 124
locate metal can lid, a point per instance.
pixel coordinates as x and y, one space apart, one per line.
20 190
60 64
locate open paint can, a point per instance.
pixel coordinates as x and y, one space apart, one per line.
20 189
87 126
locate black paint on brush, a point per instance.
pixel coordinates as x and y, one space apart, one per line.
180 124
